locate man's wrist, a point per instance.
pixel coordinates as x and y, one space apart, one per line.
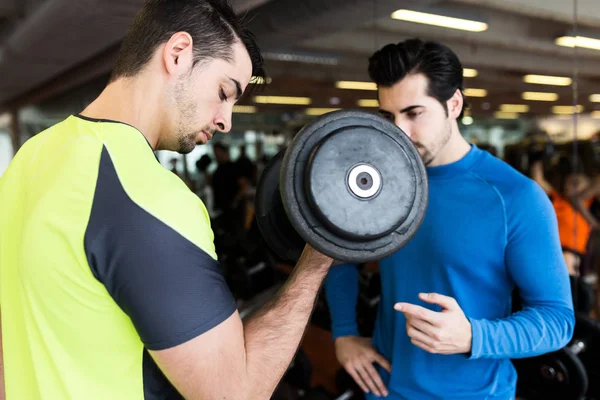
469 338
476 336
469 344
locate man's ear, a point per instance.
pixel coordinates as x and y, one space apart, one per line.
455 104
178 54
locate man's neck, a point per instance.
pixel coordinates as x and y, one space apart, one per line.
130 101
454 150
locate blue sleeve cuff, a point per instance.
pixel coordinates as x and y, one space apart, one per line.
476 339
346 330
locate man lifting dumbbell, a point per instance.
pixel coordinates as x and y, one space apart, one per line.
110 286
444 327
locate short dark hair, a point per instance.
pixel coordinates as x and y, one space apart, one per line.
212 24
437 62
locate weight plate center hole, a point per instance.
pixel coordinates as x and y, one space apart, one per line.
364 181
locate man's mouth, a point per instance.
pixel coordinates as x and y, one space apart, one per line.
207 135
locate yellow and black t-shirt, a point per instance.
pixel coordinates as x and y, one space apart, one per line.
104 254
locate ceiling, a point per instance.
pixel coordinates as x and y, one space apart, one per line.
50 46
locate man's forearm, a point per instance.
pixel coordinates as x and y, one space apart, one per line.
527 333
273 334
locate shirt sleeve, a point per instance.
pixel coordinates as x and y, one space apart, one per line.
534 260
171 289
341 292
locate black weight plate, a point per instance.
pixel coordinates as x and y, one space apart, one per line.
558 375
307 221
587 330
353 181
271 218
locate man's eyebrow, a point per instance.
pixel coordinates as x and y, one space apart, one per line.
410 108
238 88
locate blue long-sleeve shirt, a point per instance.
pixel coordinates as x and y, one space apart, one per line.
487 230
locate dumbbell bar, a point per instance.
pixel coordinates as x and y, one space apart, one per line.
351 184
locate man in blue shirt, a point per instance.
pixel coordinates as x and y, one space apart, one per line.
444 327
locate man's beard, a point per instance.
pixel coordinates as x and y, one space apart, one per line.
186 141
429 154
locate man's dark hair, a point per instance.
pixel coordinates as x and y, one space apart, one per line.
438 63
212 24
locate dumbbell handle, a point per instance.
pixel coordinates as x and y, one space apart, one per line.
577 346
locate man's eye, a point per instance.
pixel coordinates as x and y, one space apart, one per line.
223 95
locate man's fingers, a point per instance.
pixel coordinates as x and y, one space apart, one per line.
424 346
357 378
447 303
364 372
377 379
423 326
412 310
420 336
381 360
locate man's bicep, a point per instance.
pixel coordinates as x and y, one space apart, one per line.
533 253
171 290
208 366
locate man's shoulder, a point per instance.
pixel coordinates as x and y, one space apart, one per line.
515 188
163 196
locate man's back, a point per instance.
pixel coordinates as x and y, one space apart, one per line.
64 334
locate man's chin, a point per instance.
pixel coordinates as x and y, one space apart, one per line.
187 148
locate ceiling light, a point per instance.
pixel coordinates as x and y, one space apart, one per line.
288 100
565 110
578 41
506 115
475 92
470 73
539 96
595 98
514 108
439 20
547 80
565 116
355 85
320 111
244 109
467 120
368 103
301 58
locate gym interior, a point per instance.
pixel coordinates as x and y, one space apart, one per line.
531 73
